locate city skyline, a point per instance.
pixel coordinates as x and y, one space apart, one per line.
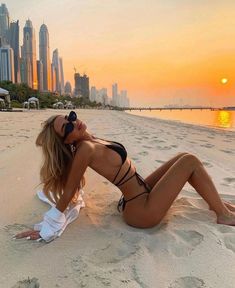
160 50
42 74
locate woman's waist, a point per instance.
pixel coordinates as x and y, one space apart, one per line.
133 186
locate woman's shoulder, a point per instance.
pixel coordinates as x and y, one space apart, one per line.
85 145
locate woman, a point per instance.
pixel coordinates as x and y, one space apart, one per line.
68 150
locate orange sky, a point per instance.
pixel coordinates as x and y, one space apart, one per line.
160 51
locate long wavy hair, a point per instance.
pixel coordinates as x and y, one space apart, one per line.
57 159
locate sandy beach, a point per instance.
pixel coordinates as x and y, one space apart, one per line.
187 250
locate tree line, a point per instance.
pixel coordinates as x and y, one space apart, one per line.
21 92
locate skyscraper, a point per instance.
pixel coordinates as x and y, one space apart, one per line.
59 75
44 56
4 24
123 99
93 93
7 64
40 75
81 86
53 78
68 88
13 39
115 94
29 55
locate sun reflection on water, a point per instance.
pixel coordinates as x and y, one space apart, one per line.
224 119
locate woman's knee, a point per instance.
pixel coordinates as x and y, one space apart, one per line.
180 154
190 159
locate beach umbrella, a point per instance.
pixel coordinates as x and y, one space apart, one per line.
2 103
4 94
34 101
26 104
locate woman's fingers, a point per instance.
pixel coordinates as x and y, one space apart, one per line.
34 236
30 233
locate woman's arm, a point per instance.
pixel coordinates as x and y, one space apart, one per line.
80 163
54 219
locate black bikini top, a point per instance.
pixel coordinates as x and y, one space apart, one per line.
118 147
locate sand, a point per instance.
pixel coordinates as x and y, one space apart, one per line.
188 249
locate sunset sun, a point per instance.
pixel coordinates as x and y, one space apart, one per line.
224 81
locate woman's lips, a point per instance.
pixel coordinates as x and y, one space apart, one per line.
80 125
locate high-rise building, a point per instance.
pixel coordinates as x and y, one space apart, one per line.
55 62
59 72
68 88
61 76
53 78
44 56
40 75
29 55
123 98
13 38
81 86
4 24
7 64
115 94
93 94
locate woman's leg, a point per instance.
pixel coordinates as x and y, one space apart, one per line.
164 192
156 175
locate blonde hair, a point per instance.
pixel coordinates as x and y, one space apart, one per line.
57 158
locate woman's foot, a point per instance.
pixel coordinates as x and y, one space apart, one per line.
230 206
226 219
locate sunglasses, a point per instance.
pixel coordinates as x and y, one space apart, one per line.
69 126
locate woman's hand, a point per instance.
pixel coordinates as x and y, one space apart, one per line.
31 235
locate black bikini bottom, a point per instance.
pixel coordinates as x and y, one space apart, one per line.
122 202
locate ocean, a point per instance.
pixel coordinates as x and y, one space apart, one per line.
221 119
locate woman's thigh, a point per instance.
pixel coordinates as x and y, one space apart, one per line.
156 175
149 211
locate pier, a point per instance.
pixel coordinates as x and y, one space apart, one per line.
231 108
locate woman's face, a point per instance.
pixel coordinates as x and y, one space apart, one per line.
77 133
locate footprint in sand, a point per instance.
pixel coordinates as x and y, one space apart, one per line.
113 252
188 282
160 161
148 147
143 153
227 151
164 148
207 145
207 164
86 276
23 136
15 228
186 241
228 235
28 283
229 241
229 180
179 243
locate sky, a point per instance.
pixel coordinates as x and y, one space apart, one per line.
161 51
